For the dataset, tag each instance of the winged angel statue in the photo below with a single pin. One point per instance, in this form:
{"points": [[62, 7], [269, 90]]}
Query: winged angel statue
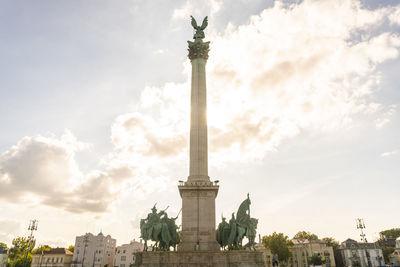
{"points": [[199, 29]]}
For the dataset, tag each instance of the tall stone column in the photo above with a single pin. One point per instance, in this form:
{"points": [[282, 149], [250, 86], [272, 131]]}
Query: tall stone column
{"points": [[198, 192], [198, 165]]}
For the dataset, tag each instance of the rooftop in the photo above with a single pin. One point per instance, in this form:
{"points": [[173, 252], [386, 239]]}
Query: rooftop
{"points": [[63, 251]]}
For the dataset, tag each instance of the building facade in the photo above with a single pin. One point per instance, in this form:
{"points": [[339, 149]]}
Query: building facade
{"points": [[125, 254], [55, 257], [94, 251], [267, 254], [354, 253], [3, 256], [302, 250]]}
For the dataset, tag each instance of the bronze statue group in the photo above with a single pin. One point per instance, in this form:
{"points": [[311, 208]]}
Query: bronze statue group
{"points": [[230, 235], [161, 229], [164, 232]]}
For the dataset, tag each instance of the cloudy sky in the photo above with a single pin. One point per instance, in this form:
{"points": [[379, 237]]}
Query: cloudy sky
{"points": [[303, 110]]}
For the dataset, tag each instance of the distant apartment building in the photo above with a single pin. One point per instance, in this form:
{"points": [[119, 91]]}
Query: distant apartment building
{"points": [[94, 251], [125, 254], [355, 253], [3, 256], [267, 254], [303, 250], [55, 257], [394, 258]]}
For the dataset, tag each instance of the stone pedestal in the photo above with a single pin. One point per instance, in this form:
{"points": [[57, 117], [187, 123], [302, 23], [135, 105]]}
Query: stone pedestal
{"points": [[200, 259], [198, 216]]}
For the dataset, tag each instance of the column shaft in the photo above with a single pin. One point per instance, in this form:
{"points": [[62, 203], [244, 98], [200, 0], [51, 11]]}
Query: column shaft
{"points": [[198, 170]]}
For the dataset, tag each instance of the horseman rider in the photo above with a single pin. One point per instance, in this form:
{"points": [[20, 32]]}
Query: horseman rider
{"points": [[243, 214], [154, 217]]}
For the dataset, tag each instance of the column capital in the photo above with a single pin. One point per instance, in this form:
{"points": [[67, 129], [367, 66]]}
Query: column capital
{"points": [[198, 49]]}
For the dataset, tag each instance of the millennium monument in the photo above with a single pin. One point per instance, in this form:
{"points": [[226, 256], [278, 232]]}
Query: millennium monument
{"points": [[198, 192], [199, 243]]}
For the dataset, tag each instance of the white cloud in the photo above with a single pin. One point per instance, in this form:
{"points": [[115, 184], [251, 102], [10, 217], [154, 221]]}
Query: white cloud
{"points": [[389, 153], [183, 12], [159, 51], [209, 7], [38, 164], [385, 117], [293, 67], [8, 230], [44, 170], [394, 17]]}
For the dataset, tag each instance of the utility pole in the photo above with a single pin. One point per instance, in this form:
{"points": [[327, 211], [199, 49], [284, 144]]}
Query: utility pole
{"points": [[33, 224], [361, 226]]}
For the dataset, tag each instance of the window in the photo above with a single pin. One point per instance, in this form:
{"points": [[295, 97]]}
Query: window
{"points": [[122, 265], [61, 260], [123, 258], [119, 251], [124, 251]]}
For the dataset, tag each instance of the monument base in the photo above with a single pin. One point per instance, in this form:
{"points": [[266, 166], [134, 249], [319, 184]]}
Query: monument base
{"points": [[199, 259]]}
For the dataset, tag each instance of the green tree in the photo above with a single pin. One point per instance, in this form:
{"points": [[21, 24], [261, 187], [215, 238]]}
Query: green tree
{"points": [[315, 260], [305, 236], [71, 248], [279, 244], [390, 233], [40, 249], [4, 245], [21, 251], [384, 235], [386, 251], [330, 241]]}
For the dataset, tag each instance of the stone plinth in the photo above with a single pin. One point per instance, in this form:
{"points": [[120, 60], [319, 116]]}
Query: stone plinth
{"points": [[200, 259], [198, 216]]}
